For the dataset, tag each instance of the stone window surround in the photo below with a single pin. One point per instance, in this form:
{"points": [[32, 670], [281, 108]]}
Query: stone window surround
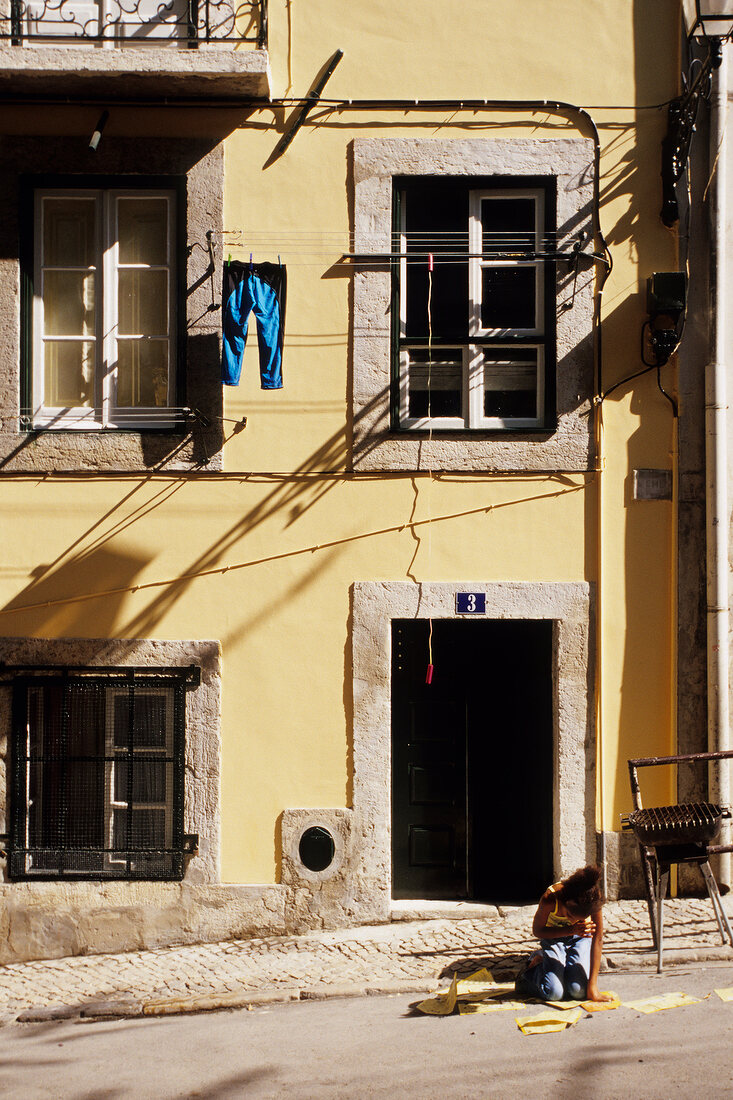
{"points": [[375, 604], [201, 809], [376, 446], [193, 446]]}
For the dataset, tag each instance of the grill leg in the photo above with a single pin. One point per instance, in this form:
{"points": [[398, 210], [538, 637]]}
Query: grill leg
{"points": [[646, 870], [662, 881], [720, 914]]}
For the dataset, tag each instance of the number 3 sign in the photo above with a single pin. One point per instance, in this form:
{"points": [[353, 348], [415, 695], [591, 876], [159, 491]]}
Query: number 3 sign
{"points": [[470, 603]]}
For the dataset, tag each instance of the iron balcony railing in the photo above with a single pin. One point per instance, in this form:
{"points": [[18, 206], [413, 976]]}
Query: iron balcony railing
{"points": [[186, 23]]}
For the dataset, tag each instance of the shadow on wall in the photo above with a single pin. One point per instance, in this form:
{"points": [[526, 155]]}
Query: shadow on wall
{"points": [[645, 715], [88, 564], [291, 498], [100, 569]]}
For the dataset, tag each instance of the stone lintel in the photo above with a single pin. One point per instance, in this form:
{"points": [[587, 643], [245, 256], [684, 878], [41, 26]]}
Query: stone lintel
{"points": [[210, 71]]}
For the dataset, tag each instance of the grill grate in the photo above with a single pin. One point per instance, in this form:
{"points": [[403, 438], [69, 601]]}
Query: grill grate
{"points": [[686, 823]]}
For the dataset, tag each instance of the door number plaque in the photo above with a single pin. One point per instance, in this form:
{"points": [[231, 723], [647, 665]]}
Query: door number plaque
{"points": [[470, 603]]}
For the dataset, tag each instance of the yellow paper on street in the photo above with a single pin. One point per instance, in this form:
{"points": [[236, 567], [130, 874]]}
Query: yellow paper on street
{"points": [[603, 1006], [565, 1006], [481, 985], [725, 994], [664, 1000], [442, 1005], [476, 982], [470, 1008], [547, 1022]]}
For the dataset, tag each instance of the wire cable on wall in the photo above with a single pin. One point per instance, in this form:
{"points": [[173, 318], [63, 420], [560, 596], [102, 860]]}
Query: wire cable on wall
{"points": [[429, 673], [220, 570]]}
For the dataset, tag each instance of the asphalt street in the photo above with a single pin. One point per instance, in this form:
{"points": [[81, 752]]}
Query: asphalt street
{"points": [[375, 1046]]}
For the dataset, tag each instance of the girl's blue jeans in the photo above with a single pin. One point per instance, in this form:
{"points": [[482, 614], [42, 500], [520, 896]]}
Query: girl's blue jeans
{"points": [[562, 972]]}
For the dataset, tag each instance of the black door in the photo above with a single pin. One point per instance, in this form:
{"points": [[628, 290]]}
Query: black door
{"points": [[472, 759]]}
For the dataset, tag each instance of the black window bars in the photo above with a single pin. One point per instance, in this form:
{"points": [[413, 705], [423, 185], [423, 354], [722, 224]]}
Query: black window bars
{"points": [[97, 773]]}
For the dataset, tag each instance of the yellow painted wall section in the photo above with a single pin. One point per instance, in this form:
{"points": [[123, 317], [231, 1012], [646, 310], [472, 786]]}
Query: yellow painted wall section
{"points": [[281, 610]]}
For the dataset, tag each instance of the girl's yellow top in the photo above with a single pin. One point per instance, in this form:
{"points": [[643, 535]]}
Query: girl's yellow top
{"points": [[555, 919]]}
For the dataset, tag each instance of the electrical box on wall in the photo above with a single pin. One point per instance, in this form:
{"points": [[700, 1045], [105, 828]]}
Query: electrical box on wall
{"points": [[666, 293], [652, 485]]}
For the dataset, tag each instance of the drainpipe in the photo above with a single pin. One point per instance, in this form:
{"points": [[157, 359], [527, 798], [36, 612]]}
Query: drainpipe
{"points": [[716, 460]]}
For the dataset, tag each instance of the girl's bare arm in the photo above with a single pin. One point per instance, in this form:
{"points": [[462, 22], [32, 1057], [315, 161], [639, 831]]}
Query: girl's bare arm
{"points": [[596, 952]]}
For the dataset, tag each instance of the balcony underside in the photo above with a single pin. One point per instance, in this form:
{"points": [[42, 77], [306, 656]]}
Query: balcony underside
{"points": [[137, 73]]}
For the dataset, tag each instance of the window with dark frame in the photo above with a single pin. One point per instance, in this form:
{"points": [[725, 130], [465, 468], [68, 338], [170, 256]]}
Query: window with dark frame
{"points": [[98, 777], [473, 340], [105, 304]]}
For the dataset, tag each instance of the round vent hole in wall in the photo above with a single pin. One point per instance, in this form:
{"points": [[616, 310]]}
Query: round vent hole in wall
{"points": [[316, 848]]}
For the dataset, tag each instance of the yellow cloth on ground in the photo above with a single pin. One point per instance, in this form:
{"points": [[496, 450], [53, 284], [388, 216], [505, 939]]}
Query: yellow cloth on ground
{"points": [[547, 1022], [725, 994], [664, 1000], [443, 1004], [565, 1006]]}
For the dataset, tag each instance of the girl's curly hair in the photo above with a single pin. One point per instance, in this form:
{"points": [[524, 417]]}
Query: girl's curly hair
{"points": [[582, 889]]}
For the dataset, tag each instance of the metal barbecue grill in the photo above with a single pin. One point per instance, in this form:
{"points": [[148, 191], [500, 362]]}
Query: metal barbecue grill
{"points": [[695, 823], [683, 833]]}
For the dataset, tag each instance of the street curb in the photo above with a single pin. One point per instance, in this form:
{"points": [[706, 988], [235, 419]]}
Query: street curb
{"points": [[47, 1013], [212, 1002], [107, 1010]]}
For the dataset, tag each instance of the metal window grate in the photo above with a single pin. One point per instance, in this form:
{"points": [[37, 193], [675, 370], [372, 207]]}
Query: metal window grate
{"points": [[137, 23], [97, 776]]}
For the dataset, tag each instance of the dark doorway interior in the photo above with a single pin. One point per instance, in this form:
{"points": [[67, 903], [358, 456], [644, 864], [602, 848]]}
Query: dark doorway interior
{"points": [[472, 759]]}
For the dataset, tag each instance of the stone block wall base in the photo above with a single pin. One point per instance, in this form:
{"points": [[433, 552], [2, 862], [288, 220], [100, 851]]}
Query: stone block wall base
{"points": [[624, 878], [54, 920], [624, 875]]}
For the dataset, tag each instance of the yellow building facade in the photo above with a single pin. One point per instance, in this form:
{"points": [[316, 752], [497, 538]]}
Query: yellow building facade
{"points": [[219, 605]]}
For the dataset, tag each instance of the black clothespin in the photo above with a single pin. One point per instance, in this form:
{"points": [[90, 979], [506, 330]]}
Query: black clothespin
{"points": [[251, 265]]}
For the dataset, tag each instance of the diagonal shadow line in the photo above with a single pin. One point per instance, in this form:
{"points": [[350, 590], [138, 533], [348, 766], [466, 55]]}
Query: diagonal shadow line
{"points": [[332, 453], [78, 541], [160, 498], [296, 495]]}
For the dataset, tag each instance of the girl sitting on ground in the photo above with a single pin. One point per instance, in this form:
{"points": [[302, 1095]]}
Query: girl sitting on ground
{"points": [[569, 925]]}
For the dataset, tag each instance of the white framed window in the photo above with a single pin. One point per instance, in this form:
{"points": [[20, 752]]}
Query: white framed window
{"points": [[104, 311], [551, 431], [475, 333], [139, 783], [98, 776]]}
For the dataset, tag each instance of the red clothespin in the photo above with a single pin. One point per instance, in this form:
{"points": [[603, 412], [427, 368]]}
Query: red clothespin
{"points": [[430, 261], [429, 675]]}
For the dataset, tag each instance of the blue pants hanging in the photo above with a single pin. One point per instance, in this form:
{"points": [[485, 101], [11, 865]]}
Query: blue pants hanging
{"points": [[259, 289]]}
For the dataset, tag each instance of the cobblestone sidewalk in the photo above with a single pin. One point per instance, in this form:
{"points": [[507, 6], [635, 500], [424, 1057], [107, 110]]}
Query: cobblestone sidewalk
{"points": [[412, 955]]}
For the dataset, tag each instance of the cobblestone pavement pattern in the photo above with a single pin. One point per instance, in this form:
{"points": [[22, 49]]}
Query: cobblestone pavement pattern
{"points": [[413, 954]]}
